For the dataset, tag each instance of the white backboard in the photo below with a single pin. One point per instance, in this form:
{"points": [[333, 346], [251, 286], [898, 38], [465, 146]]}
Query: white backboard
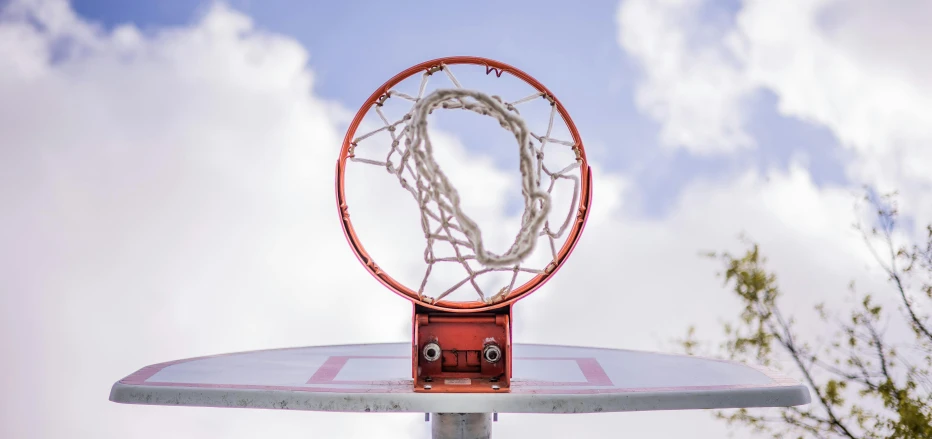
{"points": [[377, 378]]}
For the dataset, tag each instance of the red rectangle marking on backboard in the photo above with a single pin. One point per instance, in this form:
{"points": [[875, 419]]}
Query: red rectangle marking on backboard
{"points": [[328, 371], [591, 369]]}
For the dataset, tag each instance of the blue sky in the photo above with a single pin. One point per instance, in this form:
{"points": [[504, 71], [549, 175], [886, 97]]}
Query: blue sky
{"points": [[570, 47]]}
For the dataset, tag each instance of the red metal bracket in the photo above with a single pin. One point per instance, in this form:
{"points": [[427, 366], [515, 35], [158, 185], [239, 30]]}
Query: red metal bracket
{"points": [[461, 353]]}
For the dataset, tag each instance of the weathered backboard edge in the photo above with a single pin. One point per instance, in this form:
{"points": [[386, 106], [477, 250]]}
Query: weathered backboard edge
{"points": [[461, 403], [786, 392]]}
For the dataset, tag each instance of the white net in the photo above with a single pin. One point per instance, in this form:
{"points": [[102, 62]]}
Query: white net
{"points": [[411, 159]]}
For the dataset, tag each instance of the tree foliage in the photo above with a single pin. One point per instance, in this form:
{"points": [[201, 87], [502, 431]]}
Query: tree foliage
{"points": [[869, 375]]}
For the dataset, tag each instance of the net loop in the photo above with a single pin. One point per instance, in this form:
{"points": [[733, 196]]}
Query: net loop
{"points": [[446, 197]]}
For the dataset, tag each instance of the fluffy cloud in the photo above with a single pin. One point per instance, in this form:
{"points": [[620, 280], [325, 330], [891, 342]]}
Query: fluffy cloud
{"points": [[166, 196], [873, 96], [852, 67], [692, 83]]}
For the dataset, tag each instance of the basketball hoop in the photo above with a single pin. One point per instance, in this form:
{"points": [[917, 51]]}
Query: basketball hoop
{"points": [[463, 346], [453, 351], [409, 157]]}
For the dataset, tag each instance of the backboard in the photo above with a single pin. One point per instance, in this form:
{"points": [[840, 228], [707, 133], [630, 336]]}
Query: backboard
{"points": [[377, 378]]}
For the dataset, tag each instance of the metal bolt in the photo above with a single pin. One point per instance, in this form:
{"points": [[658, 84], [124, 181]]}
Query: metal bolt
{"points": [[431, 352], [492, 353]]}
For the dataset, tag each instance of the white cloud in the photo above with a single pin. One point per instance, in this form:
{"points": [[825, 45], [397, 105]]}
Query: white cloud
{"points": [[854, 67], [167, 196], [874, 97], [692, 84]]}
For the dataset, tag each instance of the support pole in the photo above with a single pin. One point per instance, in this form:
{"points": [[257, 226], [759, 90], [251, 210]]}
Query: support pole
{"points": [[461, 425]]}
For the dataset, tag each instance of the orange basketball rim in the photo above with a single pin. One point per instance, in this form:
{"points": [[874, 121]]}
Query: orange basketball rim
{"points": [[492, 67]]}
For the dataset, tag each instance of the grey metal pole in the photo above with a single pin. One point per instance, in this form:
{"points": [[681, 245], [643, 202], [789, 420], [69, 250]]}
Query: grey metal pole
{"points": [[461, 425]]}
